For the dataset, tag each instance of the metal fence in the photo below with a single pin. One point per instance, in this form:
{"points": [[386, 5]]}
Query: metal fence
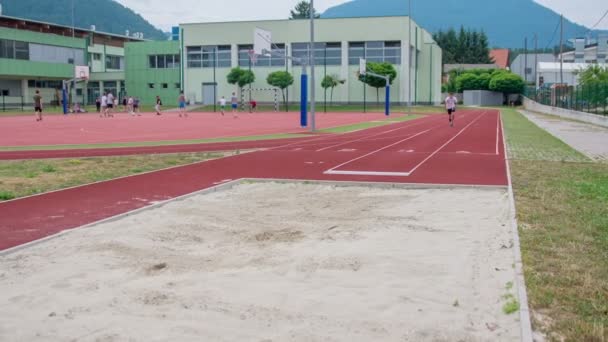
{"points": [[590, 98]]}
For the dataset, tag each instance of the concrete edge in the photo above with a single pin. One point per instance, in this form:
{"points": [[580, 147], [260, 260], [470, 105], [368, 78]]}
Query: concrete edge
{"points": [[384, 185], [233, 183], [216, 188], [522, 294], [583, 117]]}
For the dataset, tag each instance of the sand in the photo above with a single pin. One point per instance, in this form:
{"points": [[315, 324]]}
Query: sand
{"points": [[274, 262]]}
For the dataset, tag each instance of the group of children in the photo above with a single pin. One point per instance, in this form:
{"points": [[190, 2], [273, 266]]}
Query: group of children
{"points": [[234, 104]]}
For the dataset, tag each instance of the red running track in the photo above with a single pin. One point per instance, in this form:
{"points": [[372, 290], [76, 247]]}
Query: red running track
{"points": [[89, 128], [420, 151]]}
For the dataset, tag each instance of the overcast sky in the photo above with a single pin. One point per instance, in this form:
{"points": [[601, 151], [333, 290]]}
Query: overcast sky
{"points": [[164, 14]]}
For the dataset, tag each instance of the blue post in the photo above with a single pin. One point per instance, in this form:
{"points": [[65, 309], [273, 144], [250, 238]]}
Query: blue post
{"points": [[64, 97], [303, 100], [387, 103]]}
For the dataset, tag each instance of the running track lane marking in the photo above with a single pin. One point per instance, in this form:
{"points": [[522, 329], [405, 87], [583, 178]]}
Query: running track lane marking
{"points": [[446, 144], [373, 173], [373, 135], [497, 131]]}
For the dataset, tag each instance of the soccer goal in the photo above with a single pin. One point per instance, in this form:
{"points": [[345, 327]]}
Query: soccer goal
{"points": [[272, 90]]}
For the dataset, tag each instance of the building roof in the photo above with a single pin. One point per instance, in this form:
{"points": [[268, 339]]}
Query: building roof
{"points": [[45, 27], [500, 57], [555, 67]]}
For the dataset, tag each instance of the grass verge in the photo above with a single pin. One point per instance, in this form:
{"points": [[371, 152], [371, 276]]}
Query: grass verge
{"points": [[370, 124], [30, 177], [562, 208], [151, 143]]}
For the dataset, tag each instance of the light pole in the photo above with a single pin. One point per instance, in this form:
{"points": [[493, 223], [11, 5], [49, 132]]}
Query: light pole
{"points": [[312, 65], [409, 59]]}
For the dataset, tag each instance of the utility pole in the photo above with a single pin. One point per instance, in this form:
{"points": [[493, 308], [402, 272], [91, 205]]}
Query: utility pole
{"points": [[409, 53], [526, 58], [561, 50], [535, 58], [312, 65]]}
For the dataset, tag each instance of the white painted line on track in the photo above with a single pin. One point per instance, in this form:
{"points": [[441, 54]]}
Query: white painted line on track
{"points": [[447, 143], [378, 150]]}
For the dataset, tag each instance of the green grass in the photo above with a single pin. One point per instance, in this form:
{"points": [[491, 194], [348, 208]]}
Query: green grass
{"points": [[562, 210], [29, 177], [510, 307], [152, 143], [370, 124]]}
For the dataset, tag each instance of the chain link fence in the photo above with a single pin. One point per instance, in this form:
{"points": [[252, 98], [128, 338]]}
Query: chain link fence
{"points": [[589, 98]]}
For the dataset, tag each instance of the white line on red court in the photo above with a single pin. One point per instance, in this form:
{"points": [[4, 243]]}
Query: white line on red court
{"points": [[332, 170], [498, 126], [447, 143]]}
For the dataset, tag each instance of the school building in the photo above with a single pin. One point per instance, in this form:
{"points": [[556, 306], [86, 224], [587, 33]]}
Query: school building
{"points": [[39, 55], [200, 60]]}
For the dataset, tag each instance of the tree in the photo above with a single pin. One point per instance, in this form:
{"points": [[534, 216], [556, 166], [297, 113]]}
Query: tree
{"points": [[507, 83], [331, 81], [302, 11], [246, 78], [281, 80], [235, 75], [465, 47], [594, 84], [467, 81], [385, 69]]}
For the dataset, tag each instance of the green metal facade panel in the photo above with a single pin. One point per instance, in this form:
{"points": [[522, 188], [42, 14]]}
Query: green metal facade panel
{"points": [[20, 69], [139, 75], [42, 38]]}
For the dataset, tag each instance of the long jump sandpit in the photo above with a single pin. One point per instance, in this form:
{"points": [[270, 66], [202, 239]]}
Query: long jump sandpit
{"points": [[265, 261]]}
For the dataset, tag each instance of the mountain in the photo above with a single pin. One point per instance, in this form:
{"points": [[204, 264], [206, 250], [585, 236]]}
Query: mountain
{"points": [[107, 15], [506, 23]]}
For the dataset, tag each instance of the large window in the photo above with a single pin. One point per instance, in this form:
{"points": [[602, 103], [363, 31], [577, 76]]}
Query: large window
{"points": [[376, 51], [277, 60], [44, 84], [207, 56], [56, 54], [164, 61], [12, 49], [325, 53], [115, 62]]}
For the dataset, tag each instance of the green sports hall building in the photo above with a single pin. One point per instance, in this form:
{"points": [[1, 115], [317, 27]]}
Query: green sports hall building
{"points": [[37, 55]]}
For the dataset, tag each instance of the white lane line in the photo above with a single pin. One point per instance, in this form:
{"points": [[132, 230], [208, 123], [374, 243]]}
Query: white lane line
{"points": [[376, 151], [447, 143], [497, 131], [368, 173], [371, 136]]}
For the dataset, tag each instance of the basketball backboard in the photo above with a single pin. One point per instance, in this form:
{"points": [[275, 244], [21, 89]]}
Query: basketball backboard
{"points": [[81, 72], [262, 40]]}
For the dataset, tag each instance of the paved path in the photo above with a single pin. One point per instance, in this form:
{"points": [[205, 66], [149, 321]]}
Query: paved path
{"points": [[589, 139]]}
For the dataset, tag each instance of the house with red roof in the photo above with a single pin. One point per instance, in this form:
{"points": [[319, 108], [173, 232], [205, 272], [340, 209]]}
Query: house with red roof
{"points": [[500, 57]]}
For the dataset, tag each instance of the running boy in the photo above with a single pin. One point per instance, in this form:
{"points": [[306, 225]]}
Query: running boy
{"points": [[235, 105], [38, 105], [222, 105], [158, 104], [450, 106], [104, 106], [182, 104], [110, 104]]}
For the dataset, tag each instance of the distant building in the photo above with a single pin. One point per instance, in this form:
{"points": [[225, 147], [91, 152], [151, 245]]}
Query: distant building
{"points": [[524, 65], [500, 57], [549, 73], [39, 55]]}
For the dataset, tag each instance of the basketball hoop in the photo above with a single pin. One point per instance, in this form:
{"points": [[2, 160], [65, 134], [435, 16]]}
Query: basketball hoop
{"points": [[253, 57]]}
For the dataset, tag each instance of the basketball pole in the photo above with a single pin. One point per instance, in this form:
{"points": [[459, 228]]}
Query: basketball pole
{"points": [[312, 66]]}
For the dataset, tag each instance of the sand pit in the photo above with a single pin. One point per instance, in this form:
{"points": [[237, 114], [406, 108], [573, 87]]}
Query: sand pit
{"points": [[274, 262]]}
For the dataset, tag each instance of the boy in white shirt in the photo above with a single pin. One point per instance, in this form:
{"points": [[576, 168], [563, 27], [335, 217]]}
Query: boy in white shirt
{"points": [[450, 106], [222, 105]]}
